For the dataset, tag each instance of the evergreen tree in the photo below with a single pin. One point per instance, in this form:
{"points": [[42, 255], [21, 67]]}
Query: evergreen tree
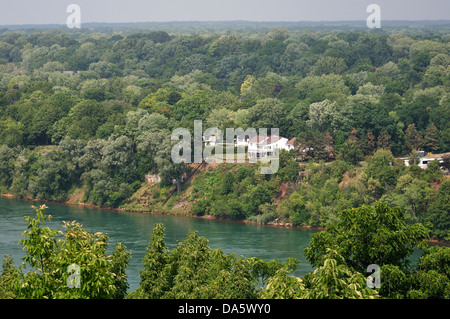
{"points": [[384, 140], [430, 139], [413, 138]]}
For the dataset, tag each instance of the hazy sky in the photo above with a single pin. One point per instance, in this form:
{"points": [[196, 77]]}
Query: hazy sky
{"points": [[54, 11]]}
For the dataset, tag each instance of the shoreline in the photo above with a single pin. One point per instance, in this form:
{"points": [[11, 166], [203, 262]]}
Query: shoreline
{"points": [[118, 209], [210, 217]]}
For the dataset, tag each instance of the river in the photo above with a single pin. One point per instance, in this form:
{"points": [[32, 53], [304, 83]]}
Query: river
{"points": [[133, 229]]}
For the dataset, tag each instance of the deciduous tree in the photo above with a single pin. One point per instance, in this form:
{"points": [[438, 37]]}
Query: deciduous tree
{"points": [[48, 257], [368, 235]]}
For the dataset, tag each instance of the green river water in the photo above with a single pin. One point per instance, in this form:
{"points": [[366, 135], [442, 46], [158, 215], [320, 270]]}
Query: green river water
{"points": [[133, 229]]}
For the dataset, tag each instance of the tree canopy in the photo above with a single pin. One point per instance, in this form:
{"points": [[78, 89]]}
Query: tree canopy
{"points": [[87, 116]]}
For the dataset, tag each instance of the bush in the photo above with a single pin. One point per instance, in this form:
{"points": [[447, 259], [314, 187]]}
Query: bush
{"points": [[200, 207], [48, 256]]}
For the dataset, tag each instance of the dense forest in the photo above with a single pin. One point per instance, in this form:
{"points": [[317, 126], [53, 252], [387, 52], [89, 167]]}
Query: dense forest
{"points": [[87, 114]]}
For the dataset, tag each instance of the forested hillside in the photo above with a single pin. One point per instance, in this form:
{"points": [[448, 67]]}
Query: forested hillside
{"points": [[90, 114]]}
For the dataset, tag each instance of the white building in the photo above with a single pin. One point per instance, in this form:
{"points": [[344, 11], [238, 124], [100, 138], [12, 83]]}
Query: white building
{"points": [[266, 146], [258, 145], [290, 144], [210, 140], [243, 139], [423, 161]]}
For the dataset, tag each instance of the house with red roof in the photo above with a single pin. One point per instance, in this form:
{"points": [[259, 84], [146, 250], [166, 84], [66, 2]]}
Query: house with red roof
{"points": [[267, 146]]}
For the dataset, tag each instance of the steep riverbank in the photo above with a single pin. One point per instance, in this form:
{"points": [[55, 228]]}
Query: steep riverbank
{"points": [[71, 202], [276, 223]]}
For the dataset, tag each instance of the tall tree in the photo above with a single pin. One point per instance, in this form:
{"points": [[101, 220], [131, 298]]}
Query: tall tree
{"points": [[384, 139], [350, 152], [194, 270], [439, 212], [413, 138], [430, 139], [379, 171], [77, 260], [329, 146], [368, 235]]}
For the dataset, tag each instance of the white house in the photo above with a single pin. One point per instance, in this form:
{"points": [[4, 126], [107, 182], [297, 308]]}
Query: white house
{"points": [[210, 140], [242, 139], [290, 144], [423, 161], [266, 146], [258, 145]]}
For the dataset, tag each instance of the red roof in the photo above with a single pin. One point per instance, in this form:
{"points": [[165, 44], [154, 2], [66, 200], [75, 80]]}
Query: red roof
{"points": [[258, 139], [273, 139], [291, 141]]}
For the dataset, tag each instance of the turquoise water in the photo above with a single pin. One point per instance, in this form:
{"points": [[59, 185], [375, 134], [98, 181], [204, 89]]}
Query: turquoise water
{"points": [[133, 230]]}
